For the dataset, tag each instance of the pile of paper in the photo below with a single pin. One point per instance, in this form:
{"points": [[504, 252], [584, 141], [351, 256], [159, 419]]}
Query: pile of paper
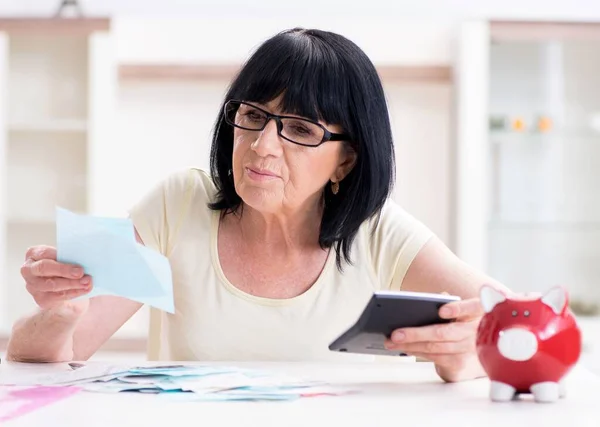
{"points": [[193, 382]]}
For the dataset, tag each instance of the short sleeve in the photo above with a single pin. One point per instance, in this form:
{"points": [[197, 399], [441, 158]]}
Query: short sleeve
{"points": [[158, 214], [394, 242]]}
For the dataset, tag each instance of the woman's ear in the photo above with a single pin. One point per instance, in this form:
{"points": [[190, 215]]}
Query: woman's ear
{"points": [[347, 161]]}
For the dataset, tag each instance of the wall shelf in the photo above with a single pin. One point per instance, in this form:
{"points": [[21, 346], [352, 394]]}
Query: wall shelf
{"points": [[51, 125], [567, 137], [53, 26], [576, 226], [528, 31], [19, 221], [182, 72]]}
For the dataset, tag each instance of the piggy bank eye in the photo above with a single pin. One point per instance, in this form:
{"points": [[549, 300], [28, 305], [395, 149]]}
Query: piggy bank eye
{"points": [[514, 313], [526, 313]]}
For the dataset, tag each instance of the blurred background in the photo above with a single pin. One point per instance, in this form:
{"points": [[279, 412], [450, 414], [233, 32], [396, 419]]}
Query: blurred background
{"points": [[495, 108]]}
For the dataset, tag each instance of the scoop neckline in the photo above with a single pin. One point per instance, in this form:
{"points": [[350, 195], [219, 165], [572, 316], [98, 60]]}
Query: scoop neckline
{"points": [[216, 262]]}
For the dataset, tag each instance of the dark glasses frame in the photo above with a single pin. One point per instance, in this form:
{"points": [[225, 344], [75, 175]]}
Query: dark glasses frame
{"points": [[327, 135]]}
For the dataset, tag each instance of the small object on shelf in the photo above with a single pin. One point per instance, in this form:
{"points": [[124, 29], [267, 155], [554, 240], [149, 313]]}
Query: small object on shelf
{"points": [[497, 123], [70, 6], [527, 344], [584, 308], [544, 124], [518, 124]]}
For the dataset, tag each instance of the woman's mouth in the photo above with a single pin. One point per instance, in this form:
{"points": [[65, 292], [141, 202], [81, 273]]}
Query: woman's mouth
{"points": [[257, 174]]}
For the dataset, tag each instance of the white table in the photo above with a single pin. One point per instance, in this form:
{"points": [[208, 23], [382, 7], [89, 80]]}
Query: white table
{"points": [[391, 394]]}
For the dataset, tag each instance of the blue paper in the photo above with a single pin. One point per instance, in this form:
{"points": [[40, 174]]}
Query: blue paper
{"points": [[107, 250]]}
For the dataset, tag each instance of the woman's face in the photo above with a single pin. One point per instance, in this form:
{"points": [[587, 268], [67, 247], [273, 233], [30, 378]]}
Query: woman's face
{"points": [[276, 176]]}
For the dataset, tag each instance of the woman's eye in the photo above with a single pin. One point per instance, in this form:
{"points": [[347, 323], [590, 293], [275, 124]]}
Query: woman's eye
{"points": [[251, 115], [254, 116], [300, 130]]}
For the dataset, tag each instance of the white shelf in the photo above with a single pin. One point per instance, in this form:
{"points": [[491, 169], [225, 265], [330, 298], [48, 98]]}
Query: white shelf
{"points": [[50, 125], [569, 225], [31, 220]]}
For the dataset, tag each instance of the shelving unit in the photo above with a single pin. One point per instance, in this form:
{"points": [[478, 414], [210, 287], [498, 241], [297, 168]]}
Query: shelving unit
{"points": [[56, 76], [529, 196], [46, 143]]}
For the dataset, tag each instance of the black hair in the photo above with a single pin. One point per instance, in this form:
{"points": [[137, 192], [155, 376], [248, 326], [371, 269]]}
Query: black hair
{"points": [[322, 76]]}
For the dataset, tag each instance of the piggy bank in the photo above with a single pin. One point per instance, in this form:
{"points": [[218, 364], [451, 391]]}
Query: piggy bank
{"points": [[527, 344]]}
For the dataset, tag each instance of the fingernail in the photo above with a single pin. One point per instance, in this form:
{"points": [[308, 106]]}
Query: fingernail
{"points": [[398, 336], [76, 271], [446, 312], [85, 280]]}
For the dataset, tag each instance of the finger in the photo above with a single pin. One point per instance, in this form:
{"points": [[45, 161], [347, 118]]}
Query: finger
{"points": [[465, 309], [454, 331], [57, 284], [50, 299], [51, 268], [434, 347], [452, 361], [37, 253]]}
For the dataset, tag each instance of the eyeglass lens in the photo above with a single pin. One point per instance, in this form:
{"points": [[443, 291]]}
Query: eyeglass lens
{"points": [[298, 130]]}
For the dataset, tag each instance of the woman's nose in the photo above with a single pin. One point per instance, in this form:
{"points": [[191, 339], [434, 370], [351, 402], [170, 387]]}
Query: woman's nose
{"points": [[268, 141]]}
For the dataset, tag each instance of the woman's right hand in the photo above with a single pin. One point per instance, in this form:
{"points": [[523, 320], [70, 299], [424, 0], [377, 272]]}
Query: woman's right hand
{"points": [[52, 284]]}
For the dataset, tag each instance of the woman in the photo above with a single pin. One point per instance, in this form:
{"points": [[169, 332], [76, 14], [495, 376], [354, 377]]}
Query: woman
{"points": [[276, 251]]}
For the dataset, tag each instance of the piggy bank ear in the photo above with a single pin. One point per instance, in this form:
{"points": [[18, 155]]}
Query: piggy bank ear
{"points": [[490, 297], [556, 299]]}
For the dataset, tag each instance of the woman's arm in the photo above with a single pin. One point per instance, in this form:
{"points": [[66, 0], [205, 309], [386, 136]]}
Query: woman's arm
{"points": [[61, 334], [57, 335], [436, 269], [450, 346]]}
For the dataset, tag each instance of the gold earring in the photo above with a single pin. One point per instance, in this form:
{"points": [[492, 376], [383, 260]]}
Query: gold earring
{"points": [[335, 187]]}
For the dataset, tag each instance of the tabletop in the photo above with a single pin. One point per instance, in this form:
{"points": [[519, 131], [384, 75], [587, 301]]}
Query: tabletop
{"points": [[389, 394]]}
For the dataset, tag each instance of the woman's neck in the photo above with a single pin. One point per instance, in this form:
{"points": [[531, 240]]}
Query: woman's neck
{"points": [[280, 234]]}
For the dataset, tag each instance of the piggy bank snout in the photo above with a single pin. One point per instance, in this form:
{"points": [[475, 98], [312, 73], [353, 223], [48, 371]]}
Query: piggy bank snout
{"points": [[517, 344]]}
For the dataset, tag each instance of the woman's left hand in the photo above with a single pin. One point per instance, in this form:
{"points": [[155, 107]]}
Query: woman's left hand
{"points": [[450, 346]]}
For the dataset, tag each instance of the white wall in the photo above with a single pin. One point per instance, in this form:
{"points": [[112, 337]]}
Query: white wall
{"points": [[160, 128], [226, 30], [199, 39], [421, 117], [331, 9]]}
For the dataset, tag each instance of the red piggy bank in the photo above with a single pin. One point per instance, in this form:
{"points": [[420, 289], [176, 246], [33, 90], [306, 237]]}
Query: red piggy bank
{"points": [[527, 344]]}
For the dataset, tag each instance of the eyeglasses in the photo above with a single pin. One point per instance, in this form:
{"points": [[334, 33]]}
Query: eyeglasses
{"points": [[294, 129]]}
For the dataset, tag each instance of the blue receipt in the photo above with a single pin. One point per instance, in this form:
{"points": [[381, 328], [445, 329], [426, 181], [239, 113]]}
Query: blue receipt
{"points": [[107, 250]]}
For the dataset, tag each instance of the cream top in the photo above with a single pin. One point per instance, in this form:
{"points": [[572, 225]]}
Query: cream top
{"points": [[214, 320]]}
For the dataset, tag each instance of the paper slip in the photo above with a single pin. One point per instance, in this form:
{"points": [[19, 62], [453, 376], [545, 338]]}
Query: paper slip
{"points": [[88, 373], [107, 250], [16, 401]]}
